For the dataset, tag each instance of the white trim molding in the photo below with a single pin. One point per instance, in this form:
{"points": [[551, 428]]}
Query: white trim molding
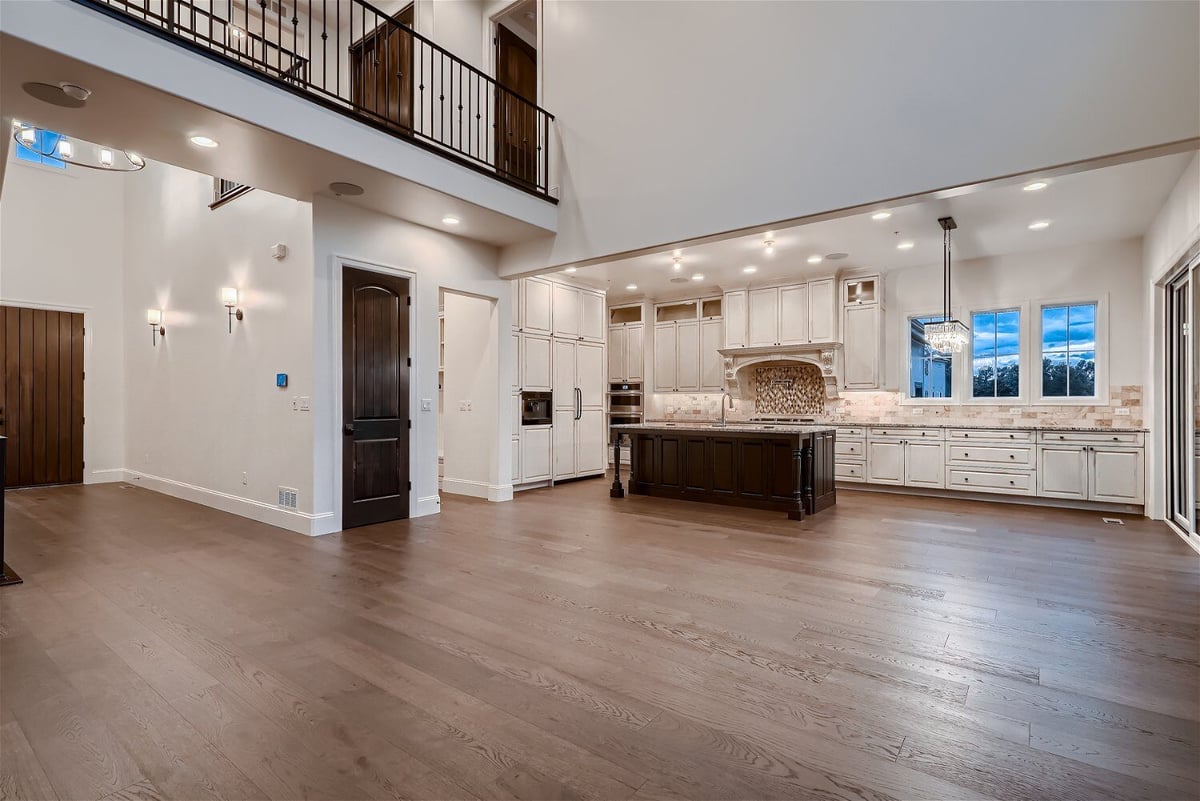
{"points": [[497, 493]]}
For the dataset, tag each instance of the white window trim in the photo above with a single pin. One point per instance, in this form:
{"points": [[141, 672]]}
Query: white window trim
{"points": [[1024, 354], [1101, 398], [906, 365]]}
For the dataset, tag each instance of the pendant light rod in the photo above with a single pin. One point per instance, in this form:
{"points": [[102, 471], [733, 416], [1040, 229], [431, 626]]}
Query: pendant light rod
{"points": [[948, 225]]}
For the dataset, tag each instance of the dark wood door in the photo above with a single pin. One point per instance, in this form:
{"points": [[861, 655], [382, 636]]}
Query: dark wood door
{"points": [[41, 395], [375, 419], [516, 110], [381, 70]]}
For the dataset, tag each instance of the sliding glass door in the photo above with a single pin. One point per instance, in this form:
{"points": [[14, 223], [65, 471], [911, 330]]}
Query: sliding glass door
{"points": [[1182, 400]]}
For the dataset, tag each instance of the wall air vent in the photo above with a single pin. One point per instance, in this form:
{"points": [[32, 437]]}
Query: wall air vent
{"points": [[287, 497]]}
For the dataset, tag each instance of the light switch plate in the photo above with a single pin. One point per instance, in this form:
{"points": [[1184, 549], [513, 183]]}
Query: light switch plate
{"points": [[305, 403], [427, 404], [1121, 411], [918, 411]]}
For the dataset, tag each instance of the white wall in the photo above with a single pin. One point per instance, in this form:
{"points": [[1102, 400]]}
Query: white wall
{"points": [[1172, 234], [760, 112], [62, 246], [202, 406], [471, 376], [435, 260]]}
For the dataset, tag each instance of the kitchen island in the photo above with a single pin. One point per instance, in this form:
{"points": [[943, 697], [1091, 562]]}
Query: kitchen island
{"points": [[788, 468]]}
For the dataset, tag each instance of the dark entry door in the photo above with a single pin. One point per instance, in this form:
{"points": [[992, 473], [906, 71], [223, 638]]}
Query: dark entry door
{"points": [[41, 395], [375, 419], [381, 71], [516, 114]]}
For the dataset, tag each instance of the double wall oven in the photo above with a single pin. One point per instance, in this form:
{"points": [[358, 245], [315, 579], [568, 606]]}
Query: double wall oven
{"points": [[624, 408]]}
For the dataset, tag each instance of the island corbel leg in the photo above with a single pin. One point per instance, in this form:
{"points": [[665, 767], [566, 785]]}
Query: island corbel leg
{"points": [[617, 490], [798, 494], [807, 467]]}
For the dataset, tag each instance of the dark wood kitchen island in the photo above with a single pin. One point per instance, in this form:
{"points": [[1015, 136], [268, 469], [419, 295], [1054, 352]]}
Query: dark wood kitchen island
{"points": [[788, 468]]}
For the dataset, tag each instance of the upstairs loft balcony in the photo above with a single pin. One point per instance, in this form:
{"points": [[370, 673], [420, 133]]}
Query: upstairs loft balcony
{"points": [[351, 57]]}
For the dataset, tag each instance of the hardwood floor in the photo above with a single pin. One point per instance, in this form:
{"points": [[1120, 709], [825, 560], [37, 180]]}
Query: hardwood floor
{"points": [[571, 646]]}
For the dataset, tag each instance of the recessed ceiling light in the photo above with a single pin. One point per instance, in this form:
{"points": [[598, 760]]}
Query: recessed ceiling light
{"points": [[814, 259], [881, 215], [199, 140], [770, 246], [905, 245], [677, 253], [450, 219], [678, 262], [1035, 186], [1039, 225], [750, 269], [570, 269], [698, 277], [631, 287]]}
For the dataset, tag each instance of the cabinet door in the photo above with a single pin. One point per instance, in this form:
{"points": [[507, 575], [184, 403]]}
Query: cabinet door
{"points": [[687, 356], [566, 314], [535, 294], [734, 310], [592, 322], [635, 358], [589, 374], [664, 357], [924, 464], [535, 453], [564, 443], [1116, 475], [517, 358], [564, 374], [535, 362], [762, 319], [860, 369], [712, 371], [618, 353], [514, 292], [1062, 471], [793, 314], [515, 469], [885, 462], [822, 303], [590, 456]]}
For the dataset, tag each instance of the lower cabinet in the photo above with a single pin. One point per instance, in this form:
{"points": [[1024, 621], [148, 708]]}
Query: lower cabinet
{"points": [[906, 463], [1112, 474], [535, 454], [579, 444]]}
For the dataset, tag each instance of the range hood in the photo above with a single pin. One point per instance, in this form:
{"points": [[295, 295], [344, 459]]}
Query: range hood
{"points": [[738, 364]]}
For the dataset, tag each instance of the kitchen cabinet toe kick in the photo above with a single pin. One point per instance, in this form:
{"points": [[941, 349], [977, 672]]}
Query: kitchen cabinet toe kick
{"points": [[780, 470]]}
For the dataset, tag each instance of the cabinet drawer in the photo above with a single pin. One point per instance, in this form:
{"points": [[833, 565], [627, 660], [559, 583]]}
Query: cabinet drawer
{"points": [[849, 471], [983, 481], [850, 432], [907, 433], [995, 455], [990, 435], [1131, 438], [849, 448]]}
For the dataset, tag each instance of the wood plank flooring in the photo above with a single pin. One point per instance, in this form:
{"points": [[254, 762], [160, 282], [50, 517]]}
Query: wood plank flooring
{"points": [[568, 646]]}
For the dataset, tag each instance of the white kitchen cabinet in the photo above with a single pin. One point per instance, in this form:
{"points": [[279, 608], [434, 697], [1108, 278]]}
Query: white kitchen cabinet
{"points": [[514, 295], [567, 312], [536, 445], [664, 357], [515, 467], [924, 464], [822, 310], [885, 462], [564, 373], [861, 346], [712, 370], [564, 444], [1062, 471], [793, 315], [517, 359], [635, 359], [733, 308], [535, 363], [909, 460], [625, 353], [1116, 475], [589, 374], [578, 434], [536, 306], [590, 442], [687, 356], [591, 316], [762, 325]]}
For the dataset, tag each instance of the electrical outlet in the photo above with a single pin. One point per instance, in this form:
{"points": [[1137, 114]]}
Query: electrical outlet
{"points": [[305, 403], [244, 481], [1121, 411], [918, 411]]}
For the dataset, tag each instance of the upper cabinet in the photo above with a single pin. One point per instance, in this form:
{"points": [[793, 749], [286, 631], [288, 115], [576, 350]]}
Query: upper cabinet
{"points": [[862, 332], [795, 314], [550, 308], [687, 338], [626, 356], [568, 312], [536, 305]]}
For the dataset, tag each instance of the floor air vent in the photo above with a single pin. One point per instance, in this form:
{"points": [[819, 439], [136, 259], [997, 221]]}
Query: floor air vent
{"points": [[287, 497], [1116, 521]]}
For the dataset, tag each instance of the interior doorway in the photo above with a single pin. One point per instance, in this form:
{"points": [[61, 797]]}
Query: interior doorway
{"points": [[41, 395], [1182, 401], [381, 69], [375, 413], [469, 419], [517, 155]]}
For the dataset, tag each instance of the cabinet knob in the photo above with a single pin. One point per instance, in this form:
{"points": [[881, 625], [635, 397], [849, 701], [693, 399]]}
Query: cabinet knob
{"points": [[1011, 481], [1012, 436], [966, 478], [1012, 456], [1116, 439], [965, 455]]}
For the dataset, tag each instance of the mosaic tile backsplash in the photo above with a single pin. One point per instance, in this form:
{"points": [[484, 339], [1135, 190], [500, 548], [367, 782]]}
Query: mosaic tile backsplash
{"points": [[788, 390], [884, 407]]}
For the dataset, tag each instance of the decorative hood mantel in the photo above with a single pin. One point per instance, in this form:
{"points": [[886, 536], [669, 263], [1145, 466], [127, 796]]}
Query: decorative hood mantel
{"points": [[738, 364]]}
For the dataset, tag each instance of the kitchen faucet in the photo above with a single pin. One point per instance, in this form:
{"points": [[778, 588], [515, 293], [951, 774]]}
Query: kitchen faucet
{"points": [[725, 395]]}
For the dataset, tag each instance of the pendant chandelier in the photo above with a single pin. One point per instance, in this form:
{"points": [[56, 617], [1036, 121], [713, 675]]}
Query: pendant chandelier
{"points": [[950, 335], [60, 149]]}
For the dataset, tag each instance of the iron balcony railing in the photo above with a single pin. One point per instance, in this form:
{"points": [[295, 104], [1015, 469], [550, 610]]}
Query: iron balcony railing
{"points": [[352, 57]]}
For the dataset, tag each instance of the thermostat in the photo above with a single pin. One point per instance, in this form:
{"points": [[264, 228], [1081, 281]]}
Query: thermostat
{"points": [[281, 380]]}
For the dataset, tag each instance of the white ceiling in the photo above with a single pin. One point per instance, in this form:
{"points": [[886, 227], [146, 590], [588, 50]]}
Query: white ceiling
{"points": [[1107, 203]]}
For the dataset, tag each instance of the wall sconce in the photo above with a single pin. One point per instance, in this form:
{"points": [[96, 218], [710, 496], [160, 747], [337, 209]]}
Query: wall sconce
{"points": [[229, 297], [154, 317]]}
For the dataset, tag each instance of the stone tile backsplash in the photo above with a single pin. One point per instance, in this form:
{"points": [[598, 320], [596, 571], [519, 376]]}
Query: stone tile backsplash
{"points": [[885, 407]]}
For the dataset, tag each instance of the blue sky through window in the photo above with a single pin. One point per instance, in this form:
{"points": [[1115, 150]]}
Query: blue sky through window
{"points": [[1069, 351], [996, 354], [930, 372]]}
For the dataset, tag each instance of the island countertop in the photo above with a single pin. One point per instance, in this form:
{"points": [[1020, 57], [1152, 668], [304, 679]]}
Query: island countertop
{"points": [[736, 428]]}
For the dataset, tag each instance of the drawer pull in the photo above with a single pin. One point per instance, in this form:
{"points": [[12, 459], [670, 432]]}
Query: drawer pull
{"points": [[966, 455], [1012, 482], [966, 478], [1012, 436], [1116, 439], [1012, 456]]}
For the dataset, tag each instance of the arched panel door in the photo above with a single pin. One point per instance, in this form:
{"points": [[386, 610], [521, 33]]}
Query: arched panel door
{"points": [[375, 415]]}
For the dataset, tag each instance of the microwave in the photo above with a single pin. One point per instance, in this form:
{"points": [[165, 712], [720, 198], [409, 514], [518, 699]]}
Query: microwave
{"points": [[537, 408]]}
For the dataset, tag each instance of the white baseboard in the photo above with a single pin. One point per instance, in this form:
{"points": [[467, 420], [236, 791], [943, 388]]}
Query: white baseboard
{"points": [[300, 522], [428, 505], [478, 489], [109, 476]]}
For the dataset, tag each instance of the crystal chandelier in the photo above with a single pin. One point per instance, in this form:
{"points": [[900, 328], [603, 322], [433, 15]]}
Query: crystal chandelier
{"points": [[950, 335], [59, 149]]}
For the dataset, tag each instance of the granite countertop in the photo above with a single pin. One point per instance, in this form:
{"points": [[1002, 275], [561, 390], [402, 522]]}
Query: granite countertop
{"points": [[736, 427], [822, 426]]}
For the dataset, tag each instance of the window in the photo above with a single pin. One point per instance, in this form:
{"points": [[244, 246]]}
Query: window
{"points": [[44, 142], [996, 354], [225, 190], [930, 372], [1069, 351]]}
